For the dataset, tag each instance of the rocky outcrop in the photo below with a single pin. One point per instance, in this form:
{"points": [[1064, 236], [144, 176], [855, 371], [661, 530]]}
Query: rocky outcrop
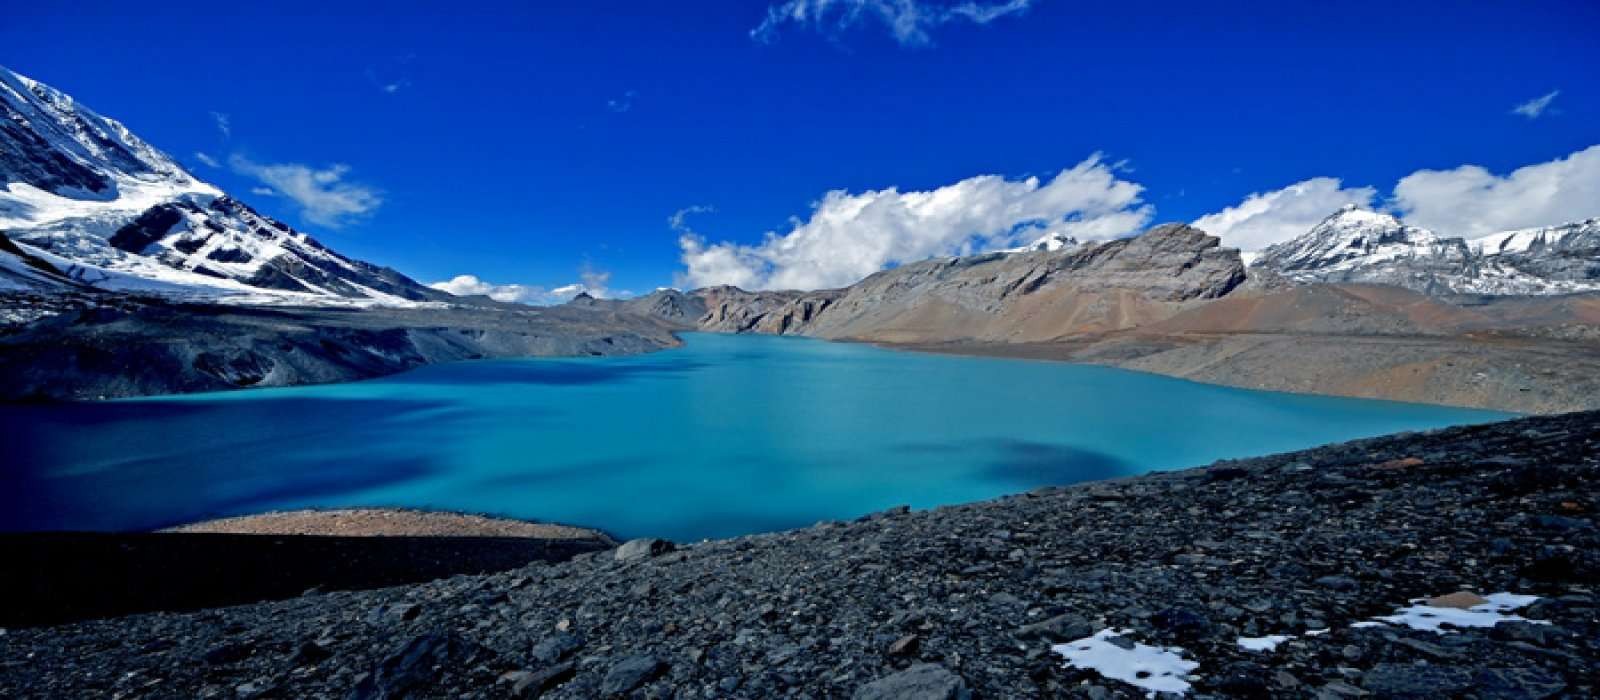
{"points": [[734, 310], [971, 599], [1032, 295]]}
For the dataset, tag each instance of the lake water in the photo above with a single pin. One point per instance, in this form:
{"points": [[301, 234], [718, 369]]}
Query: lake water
{"points": [[727, 435]]}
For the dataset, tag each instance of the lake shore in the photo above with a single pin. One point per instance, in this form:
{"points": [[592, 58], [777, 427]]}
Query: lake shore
{"points": [[1313, 546], [1518, 375], [387, 522]]}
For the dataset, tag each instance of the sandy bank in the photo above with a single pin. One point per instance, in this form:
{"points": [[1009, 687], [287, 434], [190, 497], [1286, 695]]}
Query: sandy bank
{"points": [[387, 522]]}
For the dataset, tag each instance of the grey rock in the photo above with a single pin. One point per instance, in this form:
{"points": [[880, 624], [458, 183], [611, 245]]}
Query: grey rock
{"points": [[1061, 628], [1509, 683], [920, 682], [415, 666], [556, 647], [634, 550], [630, 673], [1339, 583], [1415, 681], [535, 683]]}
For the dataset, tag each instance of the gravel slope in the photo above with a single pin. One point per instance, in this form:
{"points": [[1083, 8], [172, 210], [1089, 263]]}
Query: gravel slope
{"points": [[965, 600]]}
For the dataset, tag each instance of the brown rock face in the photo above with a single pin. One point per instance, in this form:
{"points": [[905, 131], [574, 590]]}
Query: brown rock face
{"points": [[996, 296]]}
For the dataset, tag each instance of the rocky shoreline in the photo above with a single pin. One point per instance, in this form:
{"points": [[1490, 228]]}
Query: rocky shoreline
{"points": [[1517, 375], [100, 345], [1194, 565]]}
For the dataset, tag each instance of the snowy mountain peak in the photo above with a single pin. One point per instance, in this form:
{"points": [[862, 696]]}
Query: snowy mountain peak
{"points": [[1351, 235], [1050, 242], [1359, 245], [58, 145], [87, 196]]}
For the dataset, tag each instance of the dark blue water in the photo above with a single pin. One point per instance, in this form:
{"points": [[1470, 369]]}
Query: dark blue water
{"points": [[727, 435]]}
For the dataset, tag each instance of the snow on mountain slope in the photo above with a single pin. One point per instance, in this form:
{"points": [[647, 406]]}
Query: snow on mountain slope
{"points": [[1578, 236], [1358, 245], [110, 211], [22, 270], [1050, 242]]}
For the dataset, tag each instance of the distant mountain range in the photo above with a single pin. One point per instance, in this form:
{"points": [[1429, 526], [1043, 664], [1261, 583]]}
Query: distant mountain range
{"points": [[113, 258], [1358, 245], [88, 204], [104, 209]]}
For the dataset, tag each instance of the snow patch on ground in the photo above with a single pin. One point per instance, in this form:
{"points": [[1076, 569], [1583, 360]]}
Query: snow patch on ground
{"points": [[1420, 616], [1267, 643], [1156, 669]]}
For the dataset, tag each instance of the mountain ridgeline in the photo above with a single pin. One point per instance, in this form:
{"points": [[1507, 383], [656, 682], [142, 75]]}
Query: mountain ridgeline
{"points": [[1357, 245], [1008, 297], [122, 273], [109, 211], [1360, 306]]}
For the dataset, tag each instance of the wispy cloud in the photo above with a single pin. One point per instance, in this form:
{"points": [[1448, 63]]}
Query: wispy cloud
{"points": [[206, 158], [679, 221], [323, 195], [623, 103], [393, 75], [1536, 107], [224, 124], [851, 235], [263, 191], [911, 22]]}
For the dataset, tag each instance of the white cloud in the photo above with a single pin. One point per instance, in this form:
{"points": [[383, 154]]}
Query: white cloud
{"points": [[322, 194], [470, 285], [622, 104], [264, 191], [1535, 107], [910, 21], [850, 236], [395, 87], [594, 283], [1467, 201], [1471, 201], [206, 158], [224, 125], [1264, 218]]}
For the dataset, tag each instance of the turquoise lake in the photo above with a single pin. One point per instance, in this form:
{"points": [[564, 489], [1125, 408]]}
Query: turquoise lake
{"points": [[727, 435]]}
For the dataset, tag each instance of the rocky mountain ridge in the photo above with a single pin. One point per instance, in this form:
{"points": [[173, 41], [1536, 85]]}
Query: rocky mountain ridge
{"points": [[1363, 246], [112, 212], [995, 296]]}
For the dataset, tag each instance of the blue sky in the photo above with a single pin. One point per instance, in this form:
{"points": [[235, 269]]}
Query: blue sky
{"points": [[523, 142]]}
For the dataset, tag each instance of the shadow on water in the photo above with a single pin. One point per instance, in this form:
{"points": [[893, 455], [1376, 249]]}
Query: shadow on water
{"points": [[545, 372], [1027, 463], [1043, 464], [143, 464]]}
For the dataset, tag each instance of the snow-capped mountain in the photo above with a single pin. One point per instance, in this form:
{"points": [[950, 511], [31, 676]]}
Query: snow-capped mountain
{"points": [[1049, 242], [86, 196], [1359, 245]]}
